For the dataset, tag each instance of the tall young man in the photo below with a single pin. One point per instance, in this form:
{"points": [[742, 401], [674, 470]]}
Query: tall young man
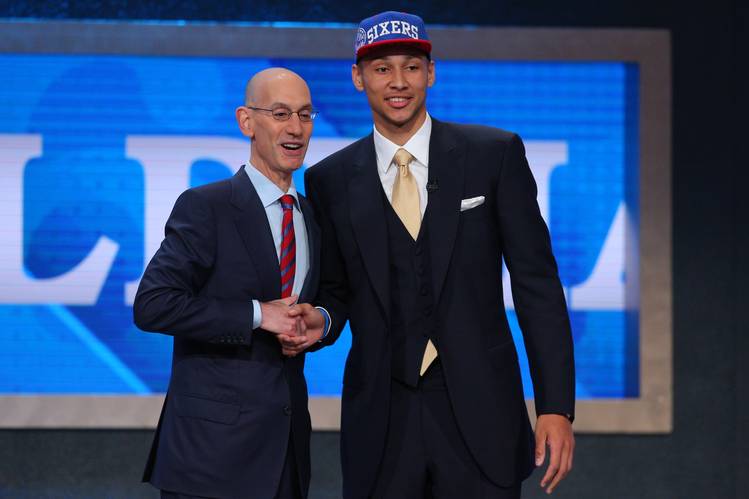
{"points": [[415, 220]]}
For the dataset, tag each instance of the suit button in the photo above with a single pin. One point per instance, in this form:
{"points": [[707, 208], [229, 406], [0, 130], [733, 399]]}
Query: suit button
{"points": [[427, 311], [287, 410], [420, 270], [424, 290]]}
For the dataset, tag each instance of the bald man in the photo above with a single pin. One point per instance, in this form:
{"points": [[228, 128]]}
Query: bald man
{"points": [[236, 254]]}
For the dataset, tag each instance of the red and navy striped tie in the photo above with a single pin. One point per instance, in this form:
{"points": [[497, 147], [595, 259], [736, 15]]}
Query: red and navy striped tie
{"points": [[288, 246]]}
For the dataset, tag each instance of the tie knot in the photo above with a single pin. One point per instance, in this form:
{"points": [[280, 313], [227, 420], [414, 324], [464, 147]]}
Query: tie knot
{"points": [[402, 157], [287, 201]]}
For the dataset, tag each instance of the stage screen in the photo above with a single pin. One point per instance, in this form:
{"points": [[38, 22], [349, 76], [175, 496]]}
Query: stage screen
{"points": [[94, 150]]}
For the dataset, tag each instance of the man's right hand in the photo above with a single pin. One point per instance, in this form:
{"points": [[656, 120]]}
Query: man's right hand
{"points": [[276, 318], [311, 326]]}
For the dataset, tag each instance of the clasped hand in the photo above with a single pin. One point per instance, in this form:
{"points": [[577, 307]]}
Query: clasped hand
{"points": [[296, 325]]}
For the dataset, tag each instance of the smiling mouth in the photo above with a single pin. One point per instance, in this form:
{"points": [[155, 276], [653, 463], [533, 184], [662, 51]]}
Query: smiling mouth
{"points": [[291, 146], [398, 102]]}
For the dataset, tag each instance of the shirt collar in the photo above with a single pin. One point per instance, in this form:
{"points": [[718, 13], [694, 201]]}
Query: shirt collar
{"points": [[417, 145], [267, 191]]}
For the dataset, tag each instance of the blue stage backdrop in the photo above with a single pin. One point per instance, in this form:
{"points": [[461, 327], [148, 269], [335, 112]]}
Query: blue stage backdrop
{"points": [[94, 150]]}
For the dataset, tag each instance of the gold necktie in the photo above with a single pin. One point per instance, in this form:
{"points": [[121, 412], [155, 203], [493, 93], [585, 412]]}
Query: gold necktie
{"points": [[406, 205], [406, 194]]}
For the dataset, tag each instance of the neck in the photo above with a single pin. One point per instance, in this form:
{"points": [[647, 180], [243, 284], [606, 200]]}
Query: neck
{"points": [[281, 179], [400, 134]]}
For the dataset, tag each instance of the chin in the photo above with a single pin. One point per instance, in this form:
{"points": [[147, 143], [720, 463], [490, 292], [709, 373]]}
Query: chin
{"points": [[401, 121], [401, 116], [290, 163]]}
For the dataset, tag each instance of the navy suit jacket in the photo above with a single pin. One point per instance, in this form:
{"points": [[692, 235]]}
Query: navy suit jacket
{"points": [[233, 398], [478, 356]]}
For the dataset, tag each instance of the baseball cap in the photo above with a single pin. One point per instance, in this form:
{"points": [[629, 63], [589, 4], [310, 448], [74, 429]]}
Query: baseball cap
{"points": [[391, 28]]}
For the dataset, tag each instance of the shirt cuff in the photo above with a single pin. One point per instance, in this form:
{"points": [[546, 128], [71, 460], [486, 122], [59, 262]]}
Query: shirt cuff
{"points": [[257, 314], [328, 322], [570, 417]]}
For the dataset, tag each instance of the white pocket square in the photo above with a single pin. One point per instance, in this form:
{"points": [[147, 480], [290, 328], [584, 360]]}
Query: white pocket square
{"points": [[467, 204]]}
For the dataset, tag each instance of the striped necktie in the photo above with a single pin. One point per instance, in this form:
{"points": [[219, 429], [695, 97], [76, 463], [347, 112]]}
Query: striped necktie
{"points": [[288, 246]]}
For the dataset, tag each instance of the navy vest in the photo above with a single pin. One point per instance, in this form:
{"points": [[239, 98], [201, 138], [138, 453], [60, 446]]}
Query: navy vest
{"points": [[412, 298]]}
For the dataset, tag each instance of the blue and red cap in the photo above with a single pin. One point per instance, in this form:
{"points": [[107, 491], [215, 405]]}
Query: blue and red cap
{"points": [[391, 28]]}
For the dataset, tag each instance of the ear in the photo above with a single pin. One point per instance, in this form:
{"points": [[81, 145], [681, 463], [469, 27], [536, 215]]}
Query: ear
{"points": [[356, 77], [430, 74], [244, 120]]}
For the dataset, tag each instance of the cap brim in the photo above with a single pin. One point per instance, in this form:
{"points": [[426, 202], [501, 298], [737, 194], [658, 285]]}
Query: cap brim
{"points": [[421, 45]]}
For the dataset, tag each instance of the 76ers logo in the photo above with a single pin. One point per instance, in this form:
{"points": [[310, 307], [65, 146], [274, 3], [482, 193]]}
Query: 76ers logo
{"points": [[361, 39]]}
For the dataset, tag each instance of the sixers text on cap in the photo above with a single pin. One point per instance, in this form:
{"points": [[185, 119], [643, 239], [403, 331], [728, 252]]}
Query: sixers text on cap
{"points": [[391, 28]]}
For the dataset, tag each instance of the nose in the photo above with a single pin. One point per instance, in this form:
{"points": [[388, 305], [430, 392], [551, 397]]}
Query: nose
{"points": [[294, 125], [398, 80]]}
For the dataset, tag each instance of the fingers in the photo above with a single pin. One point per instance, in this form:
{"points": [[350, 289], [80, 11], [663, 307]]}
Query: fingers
{"points": [[554, 431], [290, 350], [301, 341], [300, 309], [275, 316], [540, 447], [555, 457], [301, 327], [289, 300], [563, 468], [561, 443], [292, 345], [280, 324], [312, 316], [289, 320], [292, 342]]}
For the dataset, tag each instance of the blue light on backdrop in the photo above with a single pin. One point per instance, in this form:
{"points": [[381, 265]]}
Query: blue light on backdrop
{"points": [[95, 149]]}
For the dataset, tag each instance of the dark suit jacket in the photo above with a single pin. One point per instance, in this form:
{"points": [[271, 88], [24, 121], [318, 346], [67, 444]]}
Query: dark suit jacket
{"points": [[233, 398], [478, 356]]}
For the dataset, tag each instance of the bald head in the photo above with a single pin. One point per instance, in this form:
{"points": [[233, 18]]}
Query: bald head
{"points": [[260, 85]]}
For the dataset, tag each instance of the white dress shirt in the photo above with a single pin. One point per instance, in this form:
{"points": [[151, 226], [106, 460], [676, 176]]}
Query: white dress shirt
{"points": [[269, 194], [418, 146]]}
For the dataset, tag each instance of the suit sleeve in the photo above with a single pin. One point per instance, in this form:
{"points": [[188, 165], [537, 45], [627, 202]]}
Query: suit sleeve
{"points": [[536, 289], [169, 298], [333, 291]]}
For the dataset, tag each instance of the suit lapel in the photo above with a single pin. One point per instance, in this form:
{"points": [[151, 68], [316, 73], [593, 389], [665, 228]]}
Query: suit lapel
{"points": [[446, 156], [252, 223], [367, 212], [313, 250]]}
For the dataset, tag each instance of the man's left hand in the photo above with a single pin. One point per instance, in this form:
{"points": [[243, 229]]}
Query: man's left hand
{"points": [[554, 431]]}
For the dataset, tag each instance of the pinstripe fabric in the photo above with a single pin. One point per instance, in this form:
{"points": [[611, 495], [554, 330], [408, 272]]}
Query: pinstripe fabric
{"points": [[287, 259]]}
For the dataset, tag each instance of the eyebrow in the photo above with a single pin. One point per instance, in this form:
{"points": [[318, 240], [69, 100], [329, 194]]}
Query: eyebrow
{"points": [[283, 104], [388, 58]]}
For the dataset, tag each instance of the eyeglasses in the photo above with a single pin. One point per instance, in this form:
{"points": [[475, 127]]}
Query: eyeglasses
{"points": [[283, 114]]}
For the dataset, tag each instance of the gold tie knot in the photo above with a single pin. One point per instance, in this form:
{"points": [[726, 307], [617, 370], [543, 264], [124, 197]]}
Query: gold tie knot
{"points": [[402, 158]]}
